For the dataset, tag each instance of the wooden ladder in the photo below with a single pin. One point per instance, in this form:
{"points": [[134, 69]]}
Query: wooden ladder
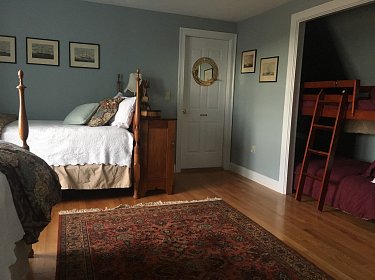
{"points": [[323, 99]]}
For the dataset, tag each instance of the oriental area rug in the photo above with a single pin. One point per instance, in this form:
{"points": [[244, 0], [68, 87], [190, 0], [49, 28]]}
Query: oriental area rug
{"points": [[175, 240]]}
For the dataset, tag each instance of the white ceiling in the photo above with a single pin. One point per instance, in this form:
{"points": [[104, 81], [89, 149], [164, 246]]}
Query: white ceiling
{"points": [[227, 10]]}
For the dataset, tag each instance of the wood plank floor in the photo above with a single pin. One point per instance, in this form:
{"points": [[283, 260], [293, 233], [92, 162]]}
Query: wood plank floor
{"points": [[341, 245]]}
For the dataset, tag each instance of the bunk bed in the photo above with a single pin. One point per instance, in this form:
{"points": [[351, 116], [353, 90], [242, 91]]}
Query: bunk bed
{"points": [[108, 154], [350, 183]]}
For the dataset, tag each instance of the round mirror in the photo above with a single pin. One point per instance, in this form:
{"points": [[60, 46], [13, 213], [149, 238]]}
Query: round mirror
{"points": [[205, 71]]}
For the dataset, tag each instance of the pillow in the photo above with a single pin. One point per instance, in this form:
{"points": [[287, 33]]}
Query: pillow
{"points": [[124, 115], [81, 114], [107, 109]]}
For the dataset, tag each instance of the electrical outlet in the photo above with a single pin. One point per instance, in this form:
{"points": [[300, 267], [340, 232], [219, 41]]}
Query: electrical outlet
{"points": [[252, 150]]}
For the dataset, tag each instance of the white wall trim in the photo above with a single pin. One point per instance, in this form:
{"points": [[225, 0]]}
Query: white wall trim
{"points": [[256, 177], [232, 42], [290, 90]]}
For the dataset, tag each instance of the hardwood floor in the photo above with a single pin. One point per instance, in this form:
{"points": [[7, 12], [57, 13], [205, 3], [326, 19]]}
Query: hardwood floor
{"points": [[341, 245]]}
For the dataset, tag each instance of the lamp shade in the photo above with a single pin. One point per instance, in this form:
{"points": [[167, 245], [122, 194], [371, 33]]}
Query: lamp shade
{"points": [[132, 84]]}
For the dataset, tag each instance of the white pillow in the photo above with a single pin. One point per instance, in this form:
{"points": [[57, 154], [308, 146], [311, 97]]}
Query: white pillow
{"points": [[124, 115], [81, 114]]}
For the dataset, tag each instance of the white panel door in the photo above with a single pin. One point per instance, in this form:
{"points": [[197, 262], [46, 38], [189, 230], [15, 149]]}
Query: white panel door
{"points": [[203, 106]]}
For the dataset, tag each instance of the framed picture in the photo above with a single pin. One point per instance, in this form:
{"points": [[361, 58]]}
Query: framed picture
{"points": [[84, 55], [7, 49], [268, 69], [42, 51], [208, 74], [248, 61]]}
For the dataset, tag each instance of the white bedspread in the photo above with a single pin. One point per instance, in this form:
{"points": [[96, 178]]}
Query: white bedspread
{"points": [[61, 144]]}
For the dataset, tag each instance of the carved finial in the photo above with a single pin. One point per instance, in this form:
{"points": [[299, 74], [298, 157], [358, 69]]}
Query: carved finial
{"points": [[20, 78]]}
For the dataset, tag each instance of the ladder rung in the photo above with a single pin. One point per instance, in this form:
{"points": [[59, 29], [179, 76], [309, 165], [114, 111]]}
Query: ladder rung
{"points": [[320, 153], [323, 127], [313, 176]]}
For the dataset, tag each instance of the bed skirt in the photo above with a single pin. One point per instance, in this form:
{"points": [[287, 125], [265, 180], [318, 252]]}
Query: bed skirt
{"points": [[93, 176]]}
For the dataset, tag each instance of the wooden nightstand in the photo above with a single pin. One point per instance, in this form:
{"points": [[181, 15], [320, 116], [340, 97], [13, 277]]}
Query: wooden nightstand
{"points": [[158, 141]]}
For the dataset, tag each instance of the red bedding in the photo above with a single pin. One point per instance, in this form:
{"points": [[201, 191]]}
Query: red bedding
{"points": [[349, 190]]}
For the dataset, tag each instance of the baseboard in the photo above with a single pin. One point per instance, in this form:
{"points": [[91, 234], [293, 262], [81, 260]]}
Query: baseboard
{"points": [[256, 177]]}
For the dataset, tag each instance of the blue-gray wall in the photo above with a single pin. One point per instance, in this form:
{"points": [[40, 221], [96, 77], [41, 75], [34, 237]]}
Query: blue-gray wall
{"points": [[128, 38], [258, 107]]}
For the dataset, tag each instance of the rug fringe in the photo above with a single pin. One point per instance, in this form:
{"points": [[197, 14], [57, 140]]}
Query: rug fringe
{"points": [[142, 204]]}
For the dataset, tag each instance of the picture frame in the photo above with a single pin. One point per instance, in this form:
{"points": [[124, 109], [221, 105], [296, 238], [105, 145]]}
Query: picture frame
{"points": [[84, 55], [248, 61], [8, 49], [42, 51], [208, 74], [268, 69]]}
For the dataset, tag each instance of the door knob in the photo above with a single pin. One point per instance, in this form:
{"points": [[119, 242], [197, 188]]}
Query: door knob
{"points": [[184, 111], [203, 115]]}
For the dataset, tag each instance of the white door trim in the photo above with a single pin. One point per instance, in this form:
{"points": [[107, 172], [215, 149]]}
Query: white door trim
{"points": [[232, 41], [292, 79]]}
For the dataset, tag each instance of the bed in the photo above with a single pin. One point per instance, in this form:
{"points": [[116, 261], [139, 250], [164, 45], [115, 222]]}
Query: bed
{"points": [[86, 156], [348, 189], [29, 189], [351, 187]]}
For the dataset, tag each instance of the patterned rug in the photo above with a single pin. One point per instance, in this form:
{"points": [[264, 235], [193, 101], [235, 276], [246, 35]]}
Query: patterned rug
{"points": [[182, 240]]}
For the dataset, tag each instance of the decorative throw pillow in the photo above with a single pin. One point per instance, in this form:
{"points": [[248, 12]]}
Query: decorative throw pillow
{"points": [[107, 109], [124, 115], [81, 114]]}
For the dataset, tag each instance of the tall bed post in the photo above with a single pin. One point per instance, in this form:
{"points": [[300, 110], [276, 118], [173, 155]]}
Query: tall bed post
{"points": [[23, 126], [136, 132]]}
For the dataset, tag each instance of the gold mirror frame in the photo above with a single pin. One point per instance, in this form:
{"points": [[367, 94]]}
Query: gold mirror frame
{"points": [[196, 70]]}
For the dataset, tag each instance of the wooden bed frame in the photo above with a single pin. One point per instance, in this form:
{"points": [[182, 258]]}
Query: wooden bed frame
{"points": [[23, 127], [352, 89]]}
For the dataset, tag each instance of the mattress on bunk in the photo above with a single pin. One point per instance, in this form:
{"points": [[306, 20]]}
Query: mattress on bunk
{"points": [[349, 189]]}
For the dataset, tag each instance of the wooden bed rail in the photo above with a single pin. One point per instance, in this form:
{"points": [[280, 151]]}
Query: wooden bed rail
{"points": [[23, 126], [344, 84]]}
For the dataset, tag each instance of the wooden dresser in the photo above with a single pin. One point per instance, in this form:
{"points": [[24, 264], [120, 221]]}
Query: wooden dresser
{"points": [[158, 142]]}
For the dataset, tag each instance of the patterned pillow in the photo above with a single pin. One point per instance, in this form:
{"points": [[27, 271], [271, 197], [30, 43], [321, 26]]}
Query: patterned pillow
{"points": [[107, 109]]}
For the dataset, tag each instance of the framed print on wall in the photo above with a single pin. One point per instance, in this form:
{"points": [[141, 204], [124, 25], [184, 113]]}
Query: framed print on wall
{"points": [[268, 69], [42, 51], [7, 49], [83, 55], [248, 61]]}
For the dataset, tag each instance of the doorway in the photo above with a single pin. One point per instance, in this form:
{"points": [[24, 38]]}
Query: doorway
{"points": [[297, 28]]}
